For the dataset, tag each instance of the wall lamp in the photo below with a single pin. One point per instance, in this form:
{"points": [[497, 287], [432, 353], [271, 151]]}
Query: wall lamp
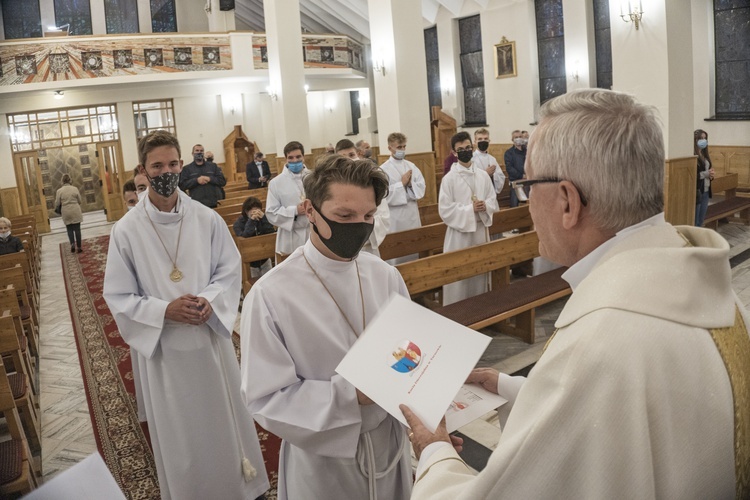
{"points": [[58, 94], [379, 67], [634, 13], [272, 94]]}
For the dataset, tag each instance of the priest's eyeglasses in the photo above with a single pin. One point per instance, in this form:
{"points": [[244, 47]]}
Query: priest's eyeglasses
{"points": [[524, 185]]}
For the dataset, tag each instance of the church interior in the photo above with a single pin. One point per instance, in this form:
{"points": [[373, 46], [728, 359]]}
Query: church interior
{"points": [[82, 82]]}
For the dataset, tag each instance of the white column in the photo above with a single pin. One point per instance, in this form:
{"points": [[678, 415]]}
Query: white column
{"points": [[144, 16], [98, 19], [128, 140], [47, 11], [655, 64], [403, 106], [7, 172], [286, 73], [220, 20], [450, 72]]}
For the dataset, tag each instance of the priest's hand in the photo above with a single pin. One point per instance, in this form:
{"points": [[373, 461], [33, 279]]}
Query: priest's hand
{"points": [[184, 310], [421, 437], [362, 399], [486, 377]]}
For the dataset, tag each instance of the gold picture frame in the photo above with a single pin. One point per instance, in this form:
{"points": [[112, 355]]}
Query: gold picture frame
{"points": [[505, 59]]}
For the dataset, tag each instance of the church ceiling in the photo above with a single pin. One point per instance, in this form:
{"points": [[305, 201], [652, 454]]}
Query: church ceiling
{"points": [[347, 17]]}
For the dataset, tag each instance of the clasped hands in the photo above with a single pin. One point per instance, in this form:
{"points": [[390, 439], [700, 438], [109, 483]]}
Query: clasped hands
{"points": [[421, 437], [204, 179], [189, 309]]}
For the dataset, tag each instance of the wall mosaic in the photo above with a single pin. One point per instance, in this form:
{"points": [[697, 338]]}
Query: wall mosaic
{"points": [[318, 52], [55, 162], [74, 59]]}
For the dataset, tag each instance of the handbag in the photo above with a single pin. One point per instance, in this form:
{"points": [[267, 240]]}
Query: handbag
{"points": [[58, 209]]}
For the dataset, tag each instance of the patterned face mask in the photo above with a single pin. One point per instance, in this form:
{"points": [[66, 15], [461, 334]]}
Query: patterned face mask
{"points": [[165, 184]]}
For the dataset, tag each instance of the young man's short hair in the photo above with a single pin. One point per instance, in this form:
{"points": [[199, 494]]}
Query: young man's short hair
{"points": [[156, 139], [259, 155], [459, 137], [396, 138], [339, 169], [128, 186], [344, 144], [481, 131], [292, 146]]}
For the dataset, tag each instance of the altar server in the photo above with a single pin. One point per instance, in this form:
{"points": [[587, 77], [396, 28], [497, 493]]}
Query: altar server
{"points": [[406, 187], [466, 204], [644, 390], [298, 322], [172, 282], [485, 161], [284, 205]]}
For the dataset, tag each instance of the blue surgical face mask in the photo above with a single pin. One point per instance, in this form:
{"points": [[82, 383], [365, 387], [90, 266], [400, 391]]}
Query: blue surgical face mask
{"points": [[702, 143], [295, 167], [399, 154]]}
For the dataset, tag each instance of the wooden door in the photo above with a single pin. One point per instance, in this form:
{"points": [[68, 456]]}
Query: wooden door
{"points": [[111, 177], [31, 189], [443, 128]]}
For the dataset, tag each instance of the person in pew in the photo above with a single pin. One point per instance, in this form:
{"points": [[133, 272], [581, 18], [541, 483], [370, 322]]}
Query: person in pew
{"points": [[466, 204], [285, 205], [203, 180], [258, 172], [515, 160], [704, 176], [172, 282], [345, 147], [406, 188], [484, 160], [141, 183], [253, 222], [209, 157], [298, 322], [129, 195], [643, 391], [364, 151], [8, 242]]}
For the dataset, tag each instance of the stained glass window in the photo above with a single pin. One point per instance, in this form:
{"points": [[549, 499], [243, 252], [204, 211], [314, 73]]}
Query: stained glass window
{"points": [[433, 67], [603, 42], [732, 37], [76, 14], [121, 16], [472, 70], [550, 36], [21, 19], [163, 16]]}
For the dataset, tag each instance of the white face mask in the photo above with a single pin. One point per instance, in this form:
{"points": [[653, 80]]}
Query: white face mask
{"points": [[142, 194], [4, 234], [131, 207]]}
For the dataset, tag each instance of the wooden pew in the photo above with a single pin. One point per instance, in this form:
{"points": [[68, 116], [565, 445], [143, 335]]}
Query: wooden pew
{"points": [[23, 260], [429, 214], [730, 205], [252, 249], [506, 300], [241, 195]]}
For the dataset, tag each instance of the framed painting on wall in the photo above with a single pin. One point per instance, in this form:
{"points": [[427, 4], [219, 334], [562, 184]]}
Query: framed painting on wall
{"points": [[505, 59]]}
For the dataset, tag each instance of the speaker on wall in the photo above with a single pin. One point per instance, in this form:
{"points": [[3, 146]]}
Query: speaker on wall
{"points": [[226, 4]]}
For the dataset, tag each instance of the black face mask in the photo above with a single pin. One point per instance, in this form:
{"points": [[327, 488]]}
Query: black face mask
{"points": [[483, 145], [465, 156], [347, 239]]}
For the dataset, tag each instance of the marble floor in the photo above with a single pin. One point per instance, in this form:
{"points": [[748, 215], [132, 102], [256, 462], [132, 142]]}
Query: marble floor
{"points": [[67, 435]]}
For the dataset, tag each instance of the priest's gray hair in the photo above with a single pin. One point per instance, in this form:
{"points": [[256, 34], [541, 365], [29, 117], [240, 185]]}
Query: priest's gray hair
{"points": [[332, 169], [610, 146]]}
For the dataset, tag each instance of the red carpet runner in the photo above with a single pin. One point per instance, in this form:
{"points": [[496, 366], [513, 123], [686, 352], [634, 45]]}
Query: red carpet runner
{"points": [[108, 378]]}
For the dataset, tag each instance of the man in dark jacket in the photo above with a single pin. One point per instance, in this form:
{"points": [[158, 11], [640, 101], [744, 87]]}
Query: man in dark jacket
{"points": [[515, 158], [258, 172], [202, 180]]}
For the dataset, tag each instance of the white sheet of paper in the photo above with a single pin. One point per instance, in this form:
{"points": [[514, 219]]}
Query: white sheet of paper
{"points": [[413, 356], [89, 479], [471, 402]]}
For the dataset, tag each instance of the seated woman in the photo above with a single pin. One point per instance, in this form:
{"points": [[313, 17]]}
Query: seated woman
{"points": [[8, 242], [253, 222]]}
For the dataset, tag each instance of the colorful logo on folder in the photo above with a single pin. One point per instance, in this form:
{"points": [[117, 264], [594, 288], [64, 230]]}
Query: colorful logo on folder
{"points": [[406, 357]]}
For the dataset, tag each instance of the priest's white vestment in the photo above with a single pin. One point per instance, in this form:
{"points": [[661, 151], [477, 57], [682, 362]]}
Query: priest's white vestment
{"points": [[382, 224], [631, 399], [484, 160], [466, 228], [293, 337], [403, 200], [285, 192], [188, 374]]}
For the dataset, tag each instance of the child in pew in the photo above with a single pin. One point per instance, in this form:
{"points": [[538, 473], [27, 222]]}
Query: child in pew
{"points": [[253, 222], [8, 242]]}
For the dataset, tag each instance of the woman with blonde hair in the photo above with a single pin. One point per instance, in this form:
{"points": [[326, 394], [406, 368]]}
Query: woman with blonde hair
{"points": [[69, 199]]}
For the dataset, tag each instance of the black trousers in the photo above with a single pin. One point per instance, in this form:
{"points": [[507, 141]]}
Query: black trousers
{"points": [[74, 230]]}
